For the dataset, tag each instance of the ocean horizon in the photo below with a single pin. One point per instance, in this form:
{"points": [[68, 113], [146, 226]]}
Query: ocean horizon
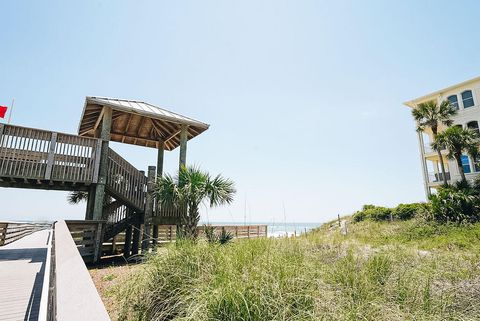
{"points": [[275, 229]]}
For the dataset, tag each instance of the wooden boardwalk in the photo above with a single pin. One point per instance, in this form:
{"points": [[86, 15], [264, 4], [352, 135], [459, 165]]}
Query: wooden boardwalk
{"points": [[22, 269]]}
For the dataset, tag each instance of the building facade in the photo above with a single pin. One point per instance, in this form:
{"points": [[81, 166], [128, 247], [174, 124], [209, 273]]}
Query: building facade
{"points": [[465, 97]]}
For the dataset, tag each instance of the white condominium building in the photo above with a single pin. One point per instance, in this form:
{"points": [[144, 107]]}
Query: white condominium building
{"points": [[465, 97]]}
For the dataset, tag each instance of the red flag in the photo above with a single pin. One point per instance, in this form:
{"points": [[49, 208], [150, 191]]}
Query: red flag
{"points": [[3, 111]]}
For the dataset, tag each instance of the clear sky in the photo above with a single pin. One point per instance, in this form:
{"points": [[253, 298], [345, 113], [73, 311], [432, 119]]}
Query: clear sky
{"points": [[304, 98]]}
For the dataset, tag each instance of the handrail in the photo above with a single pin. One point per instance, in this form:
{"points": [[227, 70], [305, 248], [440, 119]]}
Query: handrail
{"points": [[125, 181], [13, 231], [77, 298], [30, 153]]}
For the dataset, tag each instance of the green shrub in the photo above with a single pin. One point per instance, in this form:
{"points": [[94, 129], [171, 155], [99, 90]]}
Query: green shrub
{"points": [[359, 216], [453, 204], [372, 212], [408, 211], [210, 234], [225, 237], [378, 213]]}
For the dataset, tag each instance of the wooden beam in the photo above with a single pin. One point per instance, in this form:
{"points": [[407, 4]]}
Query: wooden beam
{"points": [[100, 117], [183, 146], [173, 135], [103, 170]]}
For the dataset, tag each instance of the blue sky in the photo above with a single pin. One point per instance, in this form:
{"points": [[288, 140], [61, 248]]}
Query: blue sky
{"points": [[304, 98]]}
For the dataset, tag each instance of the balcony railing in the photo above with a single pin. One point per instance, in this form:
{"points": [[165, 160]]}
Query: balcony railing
{"points": [[437, 177]]}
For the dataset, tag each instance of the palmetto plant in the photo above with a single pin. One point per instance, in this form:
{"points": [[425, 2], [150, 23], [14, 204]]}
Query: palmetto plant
{"points": [[458, 141], [188, 190], [77, 197], [432, 115]]}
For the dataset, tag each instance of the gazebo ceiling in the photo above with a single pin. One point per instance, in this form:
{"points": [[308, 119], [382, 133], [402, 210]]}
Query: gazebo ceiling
{"points": [[137, 123]]}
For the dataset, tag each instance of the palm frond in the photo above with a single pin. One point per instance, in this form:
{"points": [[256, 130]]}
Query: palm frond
{"points": [[77, 197]]}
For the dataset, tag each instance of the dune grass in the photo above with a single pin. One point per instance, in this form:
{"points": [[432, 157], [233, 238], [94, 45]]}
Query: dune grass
{"points": [[380, 271]]}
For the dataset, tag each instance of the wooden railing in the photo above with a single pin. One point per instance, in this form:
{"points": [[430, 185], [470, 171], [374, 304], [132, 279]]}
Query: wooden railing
{"points": [[29, 153], [88, 238], [125, 181], [75, 296], [239, 231], [13, 231]]}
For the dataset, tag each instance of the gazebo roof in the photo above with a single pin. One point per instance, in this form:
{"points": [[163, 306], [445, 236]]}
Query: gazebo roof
{"points": [[137, 122]]}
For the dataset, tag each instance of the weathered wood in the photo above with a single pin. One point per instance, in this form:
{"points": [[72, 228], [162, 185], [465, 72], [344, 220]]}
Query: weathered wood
{"points": [[136, 238], [77, 298], [90, 203], [2, 126], [147, 235], [183, 145], [27, 153], [13, 231], [22, 273], [128, 241], [124, 181], [103, 167]]}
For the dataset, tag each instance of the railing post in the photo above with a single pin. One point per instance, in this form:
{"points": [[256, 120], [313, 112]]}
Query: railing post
{"points": [[147, 235], [2, 126], [248, 231], [51, 156], [4, 234]]}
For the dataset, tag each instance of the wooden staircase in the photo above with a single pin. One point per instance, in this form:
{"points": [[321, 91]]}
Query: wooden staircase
{"points": [[41, 159]]}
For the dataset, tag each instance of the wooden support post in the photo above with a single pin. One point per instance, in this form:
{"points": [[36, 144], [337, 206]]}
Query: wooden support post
{"points": [[103, 170], [248, 231], [90, 203], [160, 157], [128, 241], [136, 238], [155, 235], [147, 235], [114, 244], [183, 146], [157, 212], [98, 242], [51, 156]]}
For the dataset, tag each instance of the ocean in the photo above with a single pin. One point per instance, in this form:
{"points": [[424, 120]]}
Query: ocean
{"points": [[277, 229]]}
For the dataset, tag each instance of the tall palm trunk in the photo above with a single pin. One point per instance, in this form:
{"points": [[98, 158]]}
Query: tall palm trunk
{"points": [[442, 166], [192, 222], [440, 157], [458, 158]]}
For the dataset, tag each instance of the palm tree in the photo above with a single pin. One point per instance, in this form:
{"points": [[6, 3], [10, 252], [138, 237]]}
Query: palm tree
{"points": [[76, 197], [188, 190], [431, 115], [457, 141]]}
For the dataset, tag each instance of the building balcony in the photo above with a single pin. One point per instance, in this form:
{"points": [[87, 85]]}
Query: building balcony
{"points": [[435, 179]]}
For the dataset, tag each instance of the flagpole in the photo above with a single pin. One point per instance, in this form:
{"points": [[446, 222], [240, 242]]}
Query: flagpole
{"points": [[11, 109]]}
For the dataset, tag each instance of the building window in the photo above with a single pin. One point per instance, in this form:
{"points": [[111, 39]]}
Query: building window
{"points": [[453, 101], [476, 164], [473, 125], [465, 164], [467, 99]]}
